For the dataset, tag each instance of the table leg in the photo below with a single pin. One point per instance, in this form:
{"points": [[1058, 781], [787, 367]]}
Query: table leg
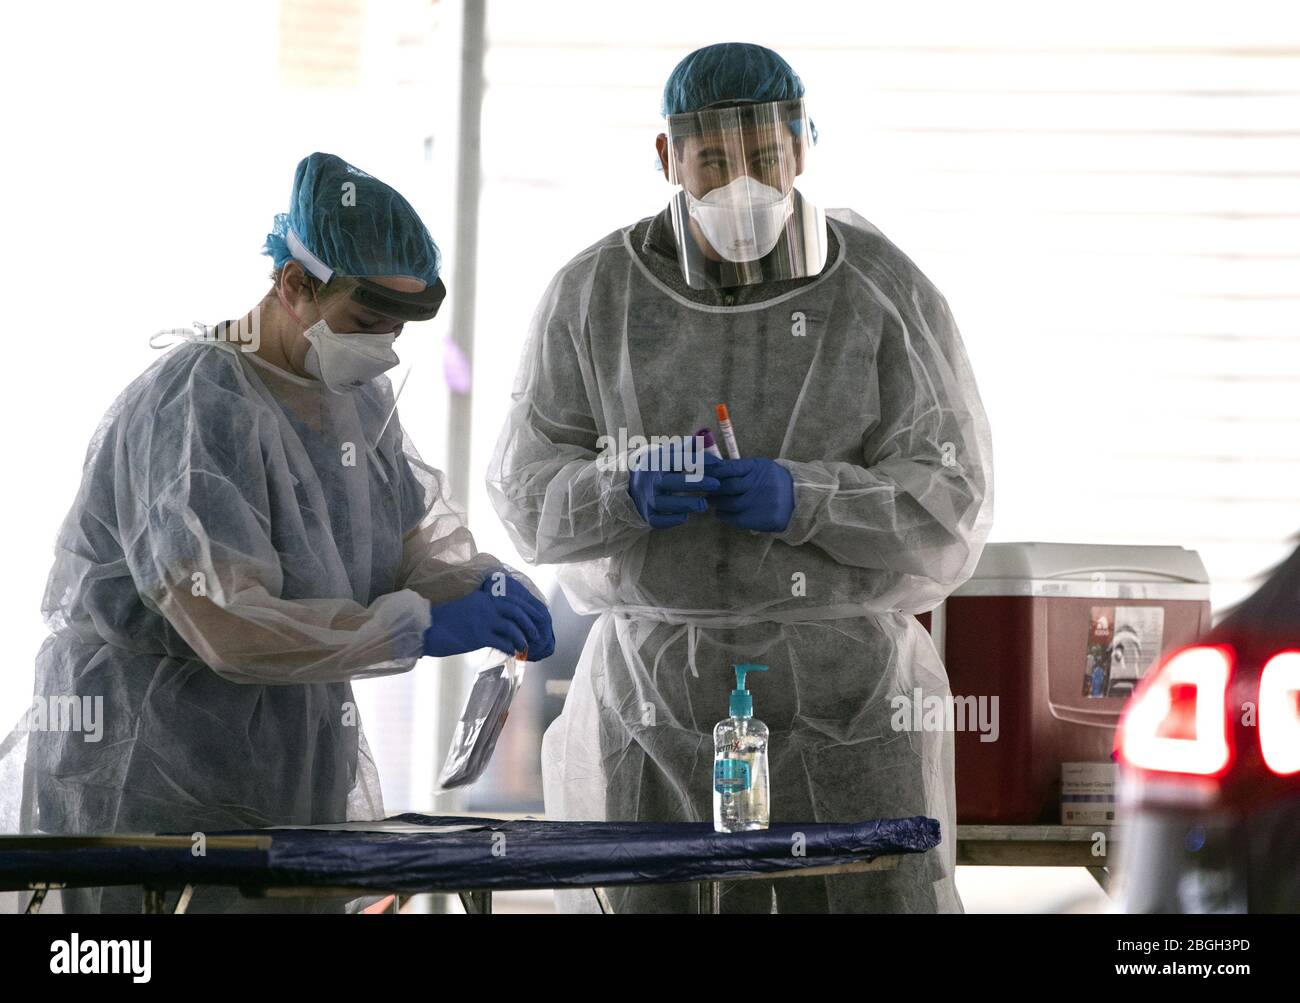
{"points": [[477, 903], [153, 901]]}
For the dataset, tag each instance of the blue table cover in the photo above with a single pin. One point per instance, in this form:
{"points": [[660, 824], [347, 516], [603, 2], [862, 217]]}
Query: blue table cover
{"points": [[495, 855]]}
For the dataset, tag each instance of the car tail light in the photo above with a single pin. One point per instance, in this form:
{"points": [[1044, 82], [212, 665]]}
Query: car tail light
{"points": [[1279, 713], [1176, 721]]}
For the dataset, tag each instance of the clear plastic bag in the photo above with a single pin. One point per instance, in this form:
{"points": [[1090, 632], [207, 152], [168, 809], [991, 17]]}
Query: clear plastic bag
{"points": [[481, 721]]}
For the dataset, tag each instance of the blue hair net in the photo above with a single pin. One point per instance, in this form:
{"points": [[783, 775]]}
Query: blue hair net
{"points": [[729, 71], [352, 223], [732, 71]]}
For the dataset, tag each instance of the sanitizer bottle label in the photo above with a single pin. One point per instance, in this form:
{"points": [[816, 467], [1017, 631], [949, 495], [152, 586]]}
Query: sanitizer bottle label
{"points": [[730, 776]]}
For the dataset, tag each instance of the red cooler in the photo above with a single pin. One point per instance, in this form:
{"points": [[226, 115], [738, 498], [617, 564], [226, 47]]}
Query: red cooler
{"points": [[1060, 634]]}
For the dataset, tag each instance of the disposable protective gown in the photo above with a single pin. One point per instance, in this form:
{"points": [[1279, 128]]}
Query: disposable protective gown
{"points": [[859, 384], [244, 543]]}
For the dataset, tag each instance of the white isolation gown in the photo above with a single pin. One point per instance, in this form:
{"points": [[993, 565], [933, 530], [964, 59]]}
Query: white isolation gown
{"points": [[857, 382], [243, 544]]}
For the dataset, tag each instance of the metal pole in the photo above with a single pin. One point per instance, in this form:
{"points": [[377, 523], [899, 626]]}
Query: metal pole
{"points": [[462, 295], [469, 184]]}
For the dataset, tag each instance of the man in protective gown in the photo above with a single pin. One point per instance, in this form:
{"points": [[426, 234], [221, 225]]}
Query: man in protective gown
{"points": [[863, 497]]}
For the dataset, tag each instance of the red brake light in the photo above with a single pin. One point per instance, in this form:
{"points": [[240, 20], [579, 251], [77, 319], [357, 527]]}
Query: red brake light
{"points": [[1279, 713], [1175, 722]]}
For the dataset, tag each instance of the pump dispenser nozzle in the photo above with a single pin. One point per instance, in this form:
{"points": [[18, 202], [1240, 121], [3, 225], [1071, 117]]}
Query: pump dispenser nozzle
{"points": [[742, 702]]}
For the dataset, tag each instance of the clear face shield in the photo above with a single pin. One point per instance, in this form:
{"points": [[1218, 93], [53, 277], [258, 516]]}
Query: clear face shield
{"points": [[738, 218]]}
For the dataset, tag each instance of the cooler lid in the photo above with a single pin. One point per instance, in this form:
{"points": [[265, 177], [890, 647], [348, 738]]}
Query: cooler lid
{"points": [[1084, 569]]}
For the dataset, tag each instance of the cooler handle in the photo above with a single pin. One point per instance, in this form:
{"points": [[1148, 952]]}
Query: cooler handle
{"points": [[1110, 569], [1093, 719]]}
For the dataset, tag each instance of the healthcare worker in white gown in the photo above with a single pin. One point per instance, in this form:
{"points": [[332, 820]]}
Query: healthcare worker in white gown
{"points": [[863, 496], [253, 531]]}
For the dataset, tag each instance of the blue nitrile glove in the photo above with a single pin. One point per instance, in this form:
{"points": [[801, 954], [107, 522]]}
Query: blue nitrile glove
{"points": [[754, 494], [511, 622], [664, 496], [541, 644]]}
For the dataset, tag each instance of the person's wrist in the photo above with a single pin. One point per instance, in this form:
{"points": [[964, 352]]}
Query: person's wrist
{"points": [[794, 530], [786, 511], [619, 502]]}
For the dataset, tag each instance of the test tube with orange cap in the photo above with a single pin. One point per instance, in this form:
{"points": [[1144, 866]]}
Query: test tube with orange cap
{"points": [[728, 434]]}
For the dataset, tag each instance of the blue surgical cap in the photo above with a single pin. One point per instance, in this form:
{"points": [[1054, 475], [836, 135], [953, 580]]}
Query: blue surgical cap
{"points": [[729, 71], [342, 220]]}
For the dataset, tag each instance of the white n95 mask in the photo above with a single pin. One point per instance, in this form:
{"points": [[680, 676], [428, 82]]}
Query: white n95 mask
{"points": [[344, 362], [742, 220]]}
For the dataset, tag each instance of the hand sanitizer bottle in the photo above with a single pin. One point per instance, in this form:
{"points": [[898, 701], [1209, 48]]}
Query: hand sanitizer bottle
{"points": [[740, 791]]}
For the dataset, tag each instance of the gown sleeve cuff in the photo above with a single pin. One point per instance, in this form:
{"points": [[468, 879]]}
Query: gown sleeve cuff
{"points": [[809, 496]]}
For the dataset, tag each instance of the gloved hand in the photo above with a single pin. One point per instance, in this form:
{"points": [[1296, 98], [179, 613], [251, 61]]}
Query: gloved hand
{"points": [[544, 644], [664, 496], [753, 494], [512, 622]]}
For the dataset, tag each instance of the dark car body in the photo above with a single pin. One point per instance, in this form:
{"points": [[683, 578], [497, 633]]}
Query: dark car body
{"points": [[1210, 827]]}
